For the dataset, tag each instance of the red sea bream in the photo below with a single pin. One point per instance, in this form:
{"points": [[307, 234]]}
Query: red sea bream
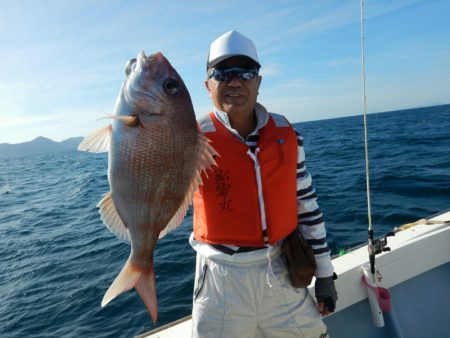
{"points": [[156, 156]]}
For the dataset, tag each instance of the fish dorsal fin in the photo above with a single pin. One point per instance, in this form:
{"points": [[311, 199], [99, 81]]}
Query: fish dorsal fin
{"points": [[205, 159], [98, 141], [111, 218]]}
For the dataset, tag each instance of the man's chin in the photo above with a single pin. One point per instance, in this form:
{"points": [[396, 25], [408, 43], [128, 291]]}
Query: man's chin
{"points": [[233, 108]]}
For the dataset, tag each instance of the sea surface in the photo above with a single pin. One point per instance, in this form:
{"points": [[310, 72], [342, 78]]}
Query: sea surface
{"points": [[58, 259]]}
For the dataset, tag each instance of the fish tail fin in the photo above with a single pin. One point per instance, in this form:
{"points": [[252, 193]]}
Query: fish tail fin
{"points": [[146, 288], [125, 281], [130, 277]]}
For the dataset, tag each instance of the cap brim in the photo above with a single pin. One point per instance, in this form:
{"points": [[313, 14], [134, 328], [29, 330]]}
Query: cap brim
{"points": [[244, 59]]}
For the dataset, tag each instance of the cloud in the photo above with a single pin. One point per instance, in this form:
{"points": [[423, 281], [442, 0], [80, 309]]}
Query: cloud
{"points": [[329, 15], [377, 8], [13, 121], [306, 100], [310, 108], [337, 17], [271, 69], [348, 60]]}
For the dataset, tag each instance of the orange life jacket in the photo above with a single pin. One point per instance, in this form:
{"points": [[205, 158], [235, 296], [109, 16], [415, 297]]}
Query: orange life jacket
{"points": [[247, 190]]}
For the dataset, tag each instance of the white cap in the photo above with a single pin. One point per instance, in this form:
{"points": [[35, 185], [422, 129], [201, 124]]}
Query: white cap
{"points": [[231, 44]]}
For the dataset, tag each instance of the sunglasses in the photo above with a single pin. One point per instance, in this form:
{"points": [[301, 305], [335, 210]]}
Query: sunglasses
{"points": [[226, 74]]}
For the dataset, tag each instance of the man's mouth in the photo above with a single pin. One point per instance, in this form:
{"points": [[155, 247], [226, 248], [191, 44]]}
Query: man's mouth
{"points": [[233, 95]]}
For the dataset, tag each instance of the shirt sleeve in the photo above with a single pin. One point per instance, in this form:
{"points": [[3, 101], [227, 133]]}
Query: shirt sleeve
{"points": [[310, 220]]}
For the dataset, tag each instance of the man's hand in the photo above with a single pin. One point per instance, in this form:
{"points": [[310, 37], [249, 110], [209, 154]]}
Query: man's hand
{"points": [[326, 294]]}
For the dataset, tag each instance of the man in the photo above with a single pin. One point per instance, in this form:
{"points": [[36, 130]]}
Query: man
{"points": [[259, 193]]}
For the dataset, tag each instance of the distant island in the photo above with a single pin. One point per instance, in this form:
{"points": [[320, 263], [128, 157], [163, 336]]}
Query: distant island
{"points": [[39, 145]]}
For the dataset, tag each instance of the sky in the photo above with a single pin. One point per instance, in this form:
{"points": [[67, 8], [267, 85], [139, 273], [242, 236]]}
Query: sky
{"points": [[62, 61]]}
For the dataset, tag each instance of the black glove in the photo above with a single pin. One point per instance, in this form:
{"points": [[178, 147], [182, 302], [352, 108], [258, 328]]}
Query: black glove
{"points": [[326, 292]]}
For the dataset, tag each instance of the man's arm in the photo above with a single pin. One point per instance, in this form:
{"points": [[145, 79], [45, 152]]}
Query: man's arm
{"points": [[312, 227], [310, 220]]}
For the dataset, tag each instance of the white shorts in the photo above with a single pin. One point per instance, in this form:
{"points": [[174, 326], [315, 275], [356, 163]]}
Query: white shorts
{"points": [[234, 300]]}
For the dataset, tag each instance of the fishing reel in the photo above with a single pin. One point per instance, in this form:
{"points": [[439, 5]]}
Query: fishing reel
{"points": [[379, 245]]}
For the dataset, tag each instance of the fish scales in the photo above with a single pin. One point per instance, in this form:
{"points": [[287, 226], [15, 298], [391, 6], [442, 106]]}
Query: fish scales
{"points": [[146, 177]]}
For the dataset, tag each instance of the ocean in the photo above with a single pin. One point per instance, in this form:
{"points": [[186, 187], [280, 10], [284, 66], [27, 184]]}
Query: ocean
{"points": [[58, 259]]}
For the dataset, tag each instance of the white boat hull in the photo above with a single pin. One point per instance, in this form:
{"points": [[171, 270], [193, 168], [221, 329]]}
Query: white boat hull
{"points": [[417, 273]]}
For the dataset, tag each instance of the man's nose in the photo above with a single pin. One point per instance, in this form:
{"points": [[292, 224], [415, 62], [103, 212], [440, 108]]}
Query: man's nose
{"points": [[234, 81]]}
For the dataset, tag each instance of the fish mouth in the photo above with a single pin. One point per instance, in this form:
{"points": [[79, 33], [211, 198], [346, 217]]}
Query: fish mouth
{"points": [[137, 63], [155, 56], [145, 61]]}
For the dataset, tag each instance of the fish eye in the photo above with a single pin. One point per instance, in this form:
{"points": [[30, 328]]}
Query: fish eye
{"points": [[171, 86]]}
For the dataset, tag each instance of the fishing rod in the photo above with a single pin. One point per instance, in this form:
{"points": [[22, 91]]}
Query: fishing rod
{"points": [[366, 146], [375, 246]]}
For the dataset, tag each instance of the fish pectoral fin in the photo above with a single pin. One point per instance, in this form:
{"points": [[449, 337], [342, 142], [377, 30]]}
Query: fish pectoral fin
{"points": [[178, 217], [98, 141], [182, 210], [111, 218], [205, 159], [130, 121], [130, 277]]}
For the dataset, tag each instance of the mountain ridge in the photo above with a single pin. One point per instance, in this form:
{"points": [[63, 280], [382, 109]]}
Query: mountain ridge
{"points": [[39, 145]]}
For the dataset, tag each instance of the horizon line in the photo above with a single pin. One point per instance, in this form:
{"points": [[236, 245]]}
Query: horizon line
{"points": [[323, 119]]}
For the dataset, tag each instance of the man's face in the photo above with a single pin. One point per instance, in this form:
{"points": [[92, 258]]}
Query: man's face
{"points": [[234, 96]]}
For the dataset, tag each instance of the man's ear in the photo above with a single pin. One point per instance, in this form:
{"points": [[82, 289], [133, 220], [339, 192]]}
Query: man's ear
{"points": [[259, 79], [207, 87]]}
